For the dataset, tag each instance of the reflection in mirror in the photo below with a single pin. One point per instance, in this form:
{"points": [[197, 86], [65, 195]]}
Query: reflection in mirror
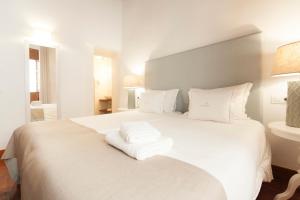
{"points": [[42, 83]]}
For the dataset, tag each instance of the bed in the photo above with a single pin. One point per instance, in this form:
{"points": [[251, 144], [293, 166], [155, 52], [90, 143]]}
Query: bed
{"points": [[68, 159], [43, 112], [236, 154]]}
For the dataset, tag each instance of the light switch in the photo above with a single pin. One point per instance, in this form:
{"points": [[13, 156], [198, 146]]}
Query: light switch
{"points": [[277, 99]]}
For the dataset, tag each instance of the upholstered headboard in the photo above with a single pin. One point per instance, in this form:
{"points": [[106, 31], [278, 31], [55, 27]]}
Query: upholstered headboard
{"points": [[222, 64]]}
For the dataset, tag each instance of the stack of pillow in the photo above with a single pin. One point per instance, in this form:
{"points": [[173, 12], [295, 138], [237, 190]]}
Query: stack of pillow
{"points": [[219, 105], [139, 140]]}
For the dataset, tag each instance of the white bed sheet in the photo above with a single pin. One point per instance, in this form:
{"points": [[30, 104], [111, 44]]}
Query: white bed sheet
{"points": [[236, 154], [49, 111]]}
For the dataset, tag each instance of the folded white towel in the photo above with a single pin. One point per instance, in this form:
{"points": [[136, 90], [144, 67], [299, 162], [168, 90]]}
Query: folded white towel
{"points": [[139, 151], [138, 132]]}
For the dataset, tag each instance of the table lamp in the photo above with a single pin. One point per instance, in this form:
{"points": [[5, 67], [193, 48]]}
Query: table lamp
{"points": [[131, 83], [288, 63]]}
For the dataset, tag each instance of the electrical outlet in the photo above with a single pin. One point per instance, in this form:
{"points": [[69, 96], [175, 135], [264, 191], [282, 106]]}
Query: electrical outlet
{"points": [[275, 99]]}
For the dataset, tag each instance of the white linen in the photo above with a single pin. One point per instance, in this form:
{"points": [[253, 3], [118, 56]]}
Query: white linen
{"points": [[48, 111], [170, 100], [213, 105], [139, 151], [239, 98], [158, 101], [169, 104], [36, 103], [152, 101], [236, 154], [138, 132]]}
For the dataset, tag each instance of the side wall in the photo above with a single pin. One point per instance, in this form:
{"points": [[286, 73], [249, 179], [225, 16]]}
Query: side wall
{"points": [[79, 27]]}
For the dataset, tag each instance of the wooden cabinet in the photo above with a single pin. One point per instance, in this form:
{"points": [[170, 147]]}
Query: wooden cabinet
{"points": [[105, 106]]}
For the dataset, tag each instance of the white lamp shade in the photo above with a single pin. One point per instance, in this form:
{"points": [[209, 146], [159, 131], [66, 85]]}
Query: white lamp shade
{"points": [[133, 81], [287, 59]]}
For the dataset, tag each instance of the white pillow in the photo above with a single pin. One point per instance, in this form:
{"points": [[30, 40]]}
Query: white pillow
{"points": [[239, 101], [152, 101], [169, 104], [240, 94], [213, 105]]}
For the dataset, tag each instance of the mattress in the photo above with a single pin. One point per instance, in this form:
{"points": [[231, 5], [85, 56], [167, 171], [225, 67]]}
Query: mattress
{"points": [[236, 154]]}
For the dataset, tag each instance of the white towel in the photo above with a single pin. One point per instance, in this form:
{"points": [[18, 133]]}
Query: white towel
{"points": [[139, 151], [138, 132]]}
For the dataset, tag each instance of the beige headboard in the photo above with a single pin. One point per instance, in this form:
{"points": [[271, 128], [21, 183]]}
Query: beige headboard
{"points": [[222, 64]]}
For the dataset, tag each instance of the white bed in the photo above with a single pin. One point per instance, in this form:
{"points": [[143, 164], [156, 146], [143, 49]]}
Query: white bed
{"points": [[236, 154], [43, 112]]}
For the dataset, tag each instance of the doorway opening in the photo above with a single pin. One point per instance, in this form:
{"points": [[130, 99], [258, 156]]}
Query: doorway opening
{"points": [[103, 71]]}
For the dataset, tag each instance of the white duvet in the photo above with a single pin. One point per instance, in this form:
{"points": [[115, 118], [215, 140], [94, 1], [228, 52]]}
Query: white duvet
{"points": [[236, 154]]}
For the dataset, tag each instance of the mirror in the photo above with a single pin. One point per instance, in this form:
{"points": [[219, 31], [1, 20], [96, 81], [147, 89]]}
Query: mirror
{"points": [[42, 83]]}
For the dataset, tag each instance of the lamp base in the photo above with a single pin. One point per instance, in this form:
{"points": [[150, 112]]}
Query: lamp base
{"points": [[293, 104], [131, 98]]}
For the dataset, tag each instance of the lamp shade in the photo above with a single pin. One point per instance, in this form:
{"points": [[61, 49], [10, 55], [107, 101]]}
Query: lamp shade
{"points": [[287, 59], [133, 81]]}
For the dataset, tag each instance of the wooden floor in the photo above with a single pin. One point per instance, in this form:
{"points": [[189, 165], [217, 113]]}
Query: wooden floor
{"points": [[278, 185], [9, 190]]}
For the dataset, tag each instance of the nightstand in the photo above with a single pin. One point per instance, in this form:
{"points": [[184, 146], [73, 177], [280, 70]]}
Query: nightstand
{"points": [[289, 133]]}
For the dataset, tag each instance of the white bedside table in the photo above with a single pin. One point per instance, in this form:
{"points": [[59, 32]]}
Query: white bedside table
{"points": [[290, 133]]}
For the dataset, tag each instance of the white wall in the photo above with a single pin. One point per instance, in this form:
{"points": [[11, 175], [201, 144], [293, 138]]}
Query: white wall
{"points": [[79, 27], [157, 28]]}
